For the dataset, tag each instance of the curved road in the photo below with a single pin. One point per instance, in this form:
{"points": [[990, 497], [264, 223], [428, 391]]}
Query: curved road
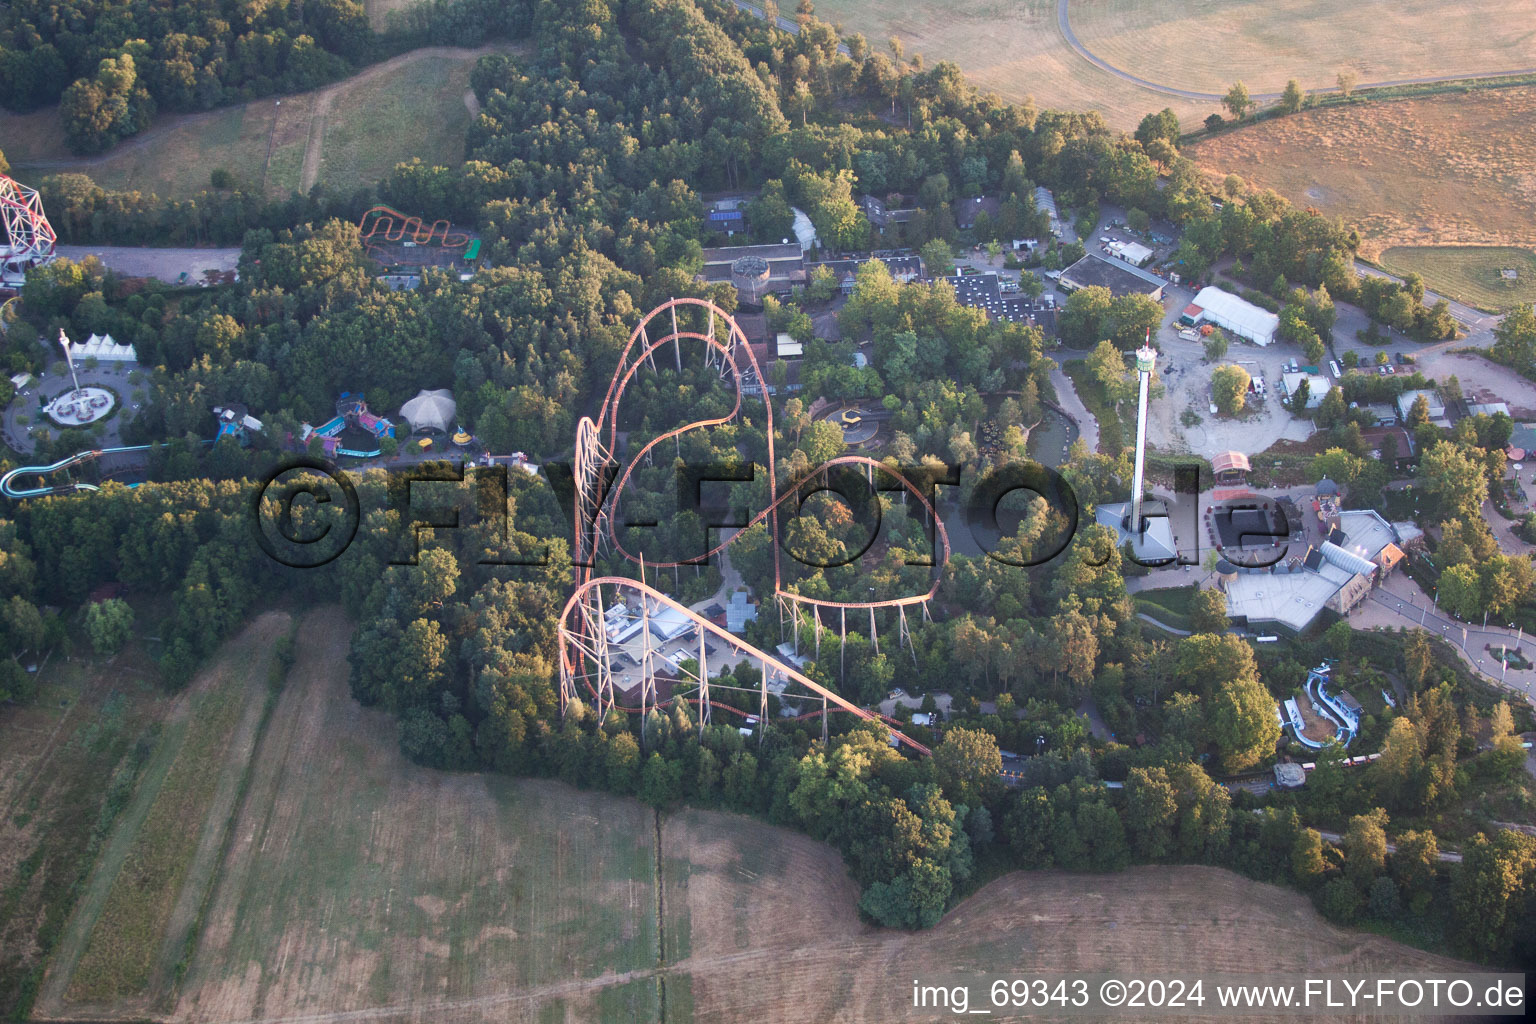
{"points": [[1064, 22]]}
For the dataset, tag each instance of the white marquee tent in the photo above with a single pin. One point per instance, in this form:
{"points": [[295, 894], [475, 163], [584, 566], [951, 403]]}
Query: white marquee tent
{"points": [[103, 349], [1242, 318], [431, 410]]}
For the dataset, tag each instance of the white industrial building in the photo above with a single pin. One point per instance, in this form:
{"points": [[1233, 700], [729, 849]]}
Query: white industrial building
{"points": [[1133, 253], [1236, 316]]}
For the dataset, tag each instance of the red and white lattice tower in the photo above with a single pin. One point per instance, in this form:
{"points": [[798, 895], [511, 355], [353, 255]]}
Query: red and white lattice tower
{"points": [[27, 239]]}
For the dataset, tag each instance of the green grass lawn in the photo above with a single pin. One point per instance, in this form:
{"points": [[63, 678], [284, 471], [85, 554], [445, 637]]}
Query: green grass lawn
{"points": [[1170, 607], [1469, 273], [387, 114]]}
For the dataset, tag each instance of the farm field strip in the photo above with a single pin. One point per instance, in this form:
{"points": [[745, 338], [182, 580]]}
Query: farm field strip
{"points": [[357, 880], [152, 875]]}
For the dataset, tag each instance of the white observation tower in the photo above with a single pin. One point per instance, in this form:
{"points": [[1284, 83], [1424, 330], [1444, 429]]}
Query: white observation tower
{"points": [[1151, 539]]}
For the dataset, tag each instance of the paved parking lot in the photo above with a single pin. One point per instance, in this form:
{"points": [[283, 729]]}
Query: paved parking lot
{"points": [[165, 264]]}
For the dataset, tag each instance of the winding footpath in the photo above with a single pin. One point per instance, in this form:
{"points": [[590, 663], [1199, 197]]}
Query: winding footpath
{"points": [[1064, 22]]}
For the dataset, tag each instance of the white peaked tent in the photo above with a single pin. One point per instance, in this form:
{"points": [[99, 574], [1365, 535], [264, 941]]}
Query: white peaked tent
{"points": [[431, 410], [102, 348]]}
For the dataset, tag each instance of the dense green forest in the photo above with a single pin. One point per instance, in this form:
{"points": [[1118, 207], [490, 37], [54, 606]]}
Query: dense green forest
{"points": [[583, 175]]}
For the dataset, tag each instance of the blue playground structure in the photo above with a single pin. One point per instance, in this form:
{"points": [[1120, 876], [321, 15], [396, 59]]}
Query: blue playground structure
{"points": [[351, 411]]}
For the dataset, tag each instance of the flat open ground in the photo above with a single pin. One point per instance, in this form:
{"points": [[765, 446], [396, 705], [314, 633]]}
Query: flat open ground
{"points": [[341, 136], [1017, 49], [1453, 169], [1474, 274], [356, 887]]}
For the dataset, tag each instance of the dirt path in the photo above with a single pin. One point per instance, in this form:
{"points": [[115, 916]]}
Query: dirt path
{"points": [[1066, 394]]}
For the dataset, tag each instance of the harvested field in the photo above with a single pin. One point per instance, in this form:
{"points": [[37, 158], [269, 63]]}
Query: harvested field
{"points": [[775, 936], [358, 880], [358, 887], [1014, 49], [1017, 49], [133, 920], [1452, 169], [1265, 44]]}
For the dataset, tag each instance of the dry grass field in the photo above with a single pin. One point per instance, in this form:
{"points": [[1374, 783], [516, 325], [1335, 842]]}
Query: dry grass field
{"points": [[358, 881], [357, 887], [342, 136], [1440, 170], [1010, 47], [1015, 47], [1202, 45]]}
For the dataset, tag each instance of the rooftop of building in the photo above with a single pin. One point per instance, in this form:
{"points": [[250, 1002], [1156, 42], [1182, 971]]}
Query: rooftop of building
{"points": [[1119, 277]]}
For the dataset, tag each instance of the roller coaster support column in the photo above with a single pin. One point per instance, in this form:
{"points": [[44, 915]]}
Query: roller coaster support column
{"points": [[677, 343], [703, 685], [823, 720], [874, 637], [647, 673], [762, 715], [604, 666], [842, 647]]}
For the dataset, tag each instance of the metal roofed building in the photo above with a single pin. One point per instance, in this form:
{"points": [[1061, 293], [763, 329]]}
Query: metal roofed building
{"points": [[1436, 405], [1236, 315], [1317, 387], [785, 265], [1119, 277]]}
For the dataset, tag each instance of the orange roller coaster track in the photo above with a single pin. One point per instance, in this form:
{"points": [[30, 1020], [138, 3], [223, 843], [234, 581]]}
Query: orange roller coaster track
{"points": [[387, 224], [585, 656]]}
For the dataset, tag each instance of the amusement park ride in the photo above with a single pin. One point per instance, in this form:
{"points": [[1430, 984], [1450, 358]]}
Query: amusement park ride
{"points": [[28, 239], [587, 654]]}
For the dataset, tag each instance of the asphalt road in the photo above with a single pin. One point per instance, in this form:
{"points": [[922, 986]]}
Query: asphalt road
{"points": [[165, 264], [1064, 22]]}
